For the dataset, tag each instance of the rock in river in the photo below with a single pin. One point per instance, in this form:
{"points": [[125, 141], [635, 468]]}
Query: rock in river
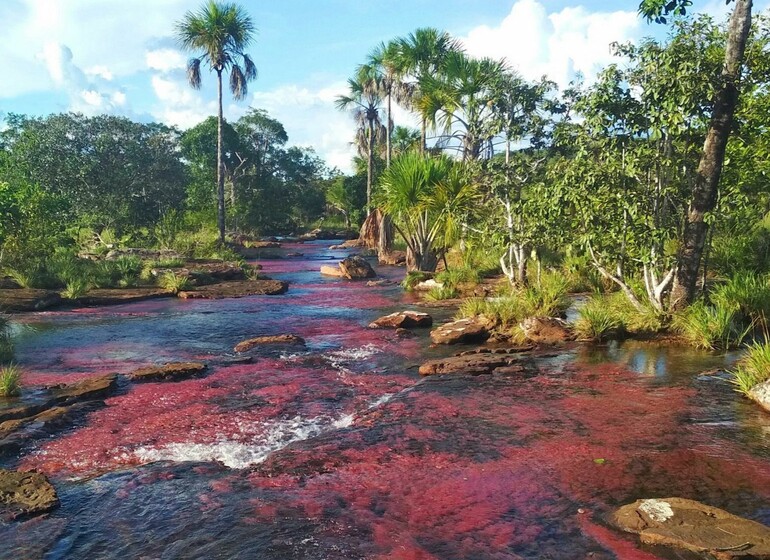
{"points": [[288, 339], [475, 364], [265, 287], [352, 268], [761, 394], [25, 493], [403, 320], [168, 372], [546, 330], [689, 525], [462, 331]]}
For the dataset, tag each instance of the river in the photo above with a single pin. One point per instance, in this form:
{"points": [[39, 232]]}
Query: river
{"points": [[341, 451]]}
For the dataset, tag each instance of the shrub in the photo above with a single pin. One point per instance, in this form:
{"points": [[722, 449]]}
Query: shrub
{"points": [[749, 292], [173, 282], [753, 368], [75, 289], [597, 320], [460, 275], [10, 381], [711, 327], [442, 292], [413, 278]]}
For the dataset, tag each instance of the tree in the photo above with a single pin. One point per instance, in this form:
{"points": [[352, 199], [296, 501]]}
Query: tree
{"points": [[364, 100], [706, 188], [222, 32]]}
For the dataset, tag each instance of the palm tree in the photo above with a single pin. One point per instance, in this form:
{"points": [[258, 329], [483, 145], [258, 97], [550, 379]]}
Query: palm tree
{"points": [[364, 100], [221, 32], [428, 199], [419, 55], [462, 99]]}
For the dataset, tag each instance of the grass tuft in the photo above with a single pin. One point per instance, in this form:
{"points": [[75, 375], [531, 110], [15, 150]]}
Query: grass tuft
{"points": [[753, 368], [10, 381]]}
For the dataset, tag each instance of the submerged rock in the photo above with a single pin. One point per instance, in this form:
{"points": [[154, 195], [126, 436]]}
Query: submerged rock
{"points": [[264, 287], [546, 330], [692, 526], [87, 389], [761, 394], [474, 364], [25, 494], [168, 372], [116, 296], [403, 320], [460, 332], [287, 339]]}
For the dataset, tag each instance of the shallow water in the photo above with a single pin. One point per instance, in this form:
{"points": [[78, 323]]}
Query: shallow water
{"points": [[340, 451]]}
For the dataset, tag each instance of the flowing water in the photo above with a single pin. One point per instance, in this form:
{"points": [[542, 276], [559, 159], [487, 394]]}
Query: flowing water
{"points": [[340, 451]]}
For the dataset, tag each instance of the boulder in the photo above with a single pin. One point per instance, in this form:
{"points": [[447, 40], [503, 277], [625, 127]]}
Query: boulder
{"points": [[403, 320], [168, 372], [24, 494], [356, 268], [460, 332], [87, 389], [761, 394], [689, 525], [286, 339], [427, 285], [369, 235], [546, 330], [474, 364], [393, 258], [349, 244], [333, 271], [263, 287]]}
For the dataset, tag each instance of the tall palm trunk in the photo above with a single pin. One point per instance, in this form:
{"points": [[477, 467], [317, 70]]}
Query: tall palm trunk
{"points": [[370, 167], [220, 165], [704, 195], [390, 127]]}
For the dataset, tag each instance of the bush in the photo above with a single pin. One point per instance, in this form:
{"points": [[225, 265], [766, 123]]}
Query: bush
{"points": [[413, 278], [597, 320], [10, 381], [442, 292], [753, 368], [460, 275], [75, 289], [173, 282], [711, 327], [748, 292]]}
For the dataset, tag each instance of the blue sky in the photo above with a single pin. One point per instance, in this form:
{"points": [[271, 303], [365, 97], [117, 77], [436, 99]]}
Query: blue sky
{"points": [[103, 56]]}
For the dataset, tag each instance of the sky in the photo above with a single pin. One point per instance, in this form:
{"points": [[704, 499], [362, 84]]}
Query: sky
{"points": [[108, 57]]}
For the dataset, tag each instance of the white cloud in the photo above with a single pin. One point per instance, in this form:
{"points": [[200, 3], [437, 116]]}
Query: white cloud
{"points": [[558, 44], [165, 59]]}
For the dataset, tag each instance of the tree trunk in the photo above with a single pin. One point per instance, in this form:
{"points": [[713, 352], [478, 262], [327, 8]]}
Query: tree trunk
{"points": [[704, 195], [390, 128], [370, 167], [385, 241], [423, 136], [220, 165], [425, 261]]}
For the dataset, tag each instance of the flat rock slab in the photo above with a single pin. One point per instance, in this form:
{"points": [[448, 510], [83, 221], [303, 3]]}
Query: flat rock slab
{"points": [[546, 330], [689, 525], [285, 339], [761, 394], [474, 364], [26, 299], [116, 296], [168, 372], [265, 287], [87, 389], [24, 494], [333, 271], [403, 320], [460, 332]]}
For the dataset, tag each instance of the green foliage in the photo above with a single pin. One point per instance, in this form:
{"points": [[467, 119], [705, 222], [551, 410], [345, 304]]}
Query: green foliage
{"points": [[6, 341], [441, 293], [458, 275], [753, 368], [711, 327], [747, 292], [10, 381], [414, 277], [581, 275], [597, 320], [174, 282], [75, 289]]}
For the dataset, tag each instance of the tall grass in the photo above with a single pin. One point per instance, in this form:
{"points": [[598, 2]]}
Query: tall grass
{"points": [[749, 293], [711, 327], [458, 275], [597, 320], [75, 289], [173, 282], [10, 381], [753, 368], [441, 293]]}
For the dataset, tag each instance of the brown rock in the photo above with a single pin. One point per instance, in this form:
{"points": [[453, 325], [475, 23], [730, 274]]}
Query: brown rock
{"points": [[334, 271], [25, 494], [369, 235], [85, 390], [473, 364], [116, 296], [349, 244], [462, 331], [393, 258], [27, 299], [546, 330], [168, 372], [356, 268], [689, 525], [403, 320], [264, 287], [291, 339]]}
